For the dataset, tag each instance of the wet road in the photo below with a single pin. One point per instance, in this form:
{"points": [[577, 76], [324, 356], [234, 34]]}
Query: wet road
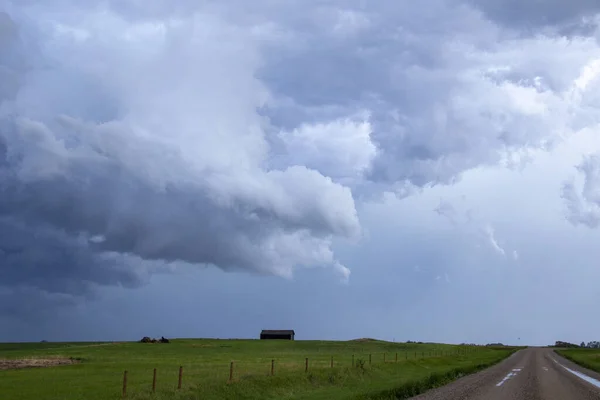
{"points": [[530, 374]]}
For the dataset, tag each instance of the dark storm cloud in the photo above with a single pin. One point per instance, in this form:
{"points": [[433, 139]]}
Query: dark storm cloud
{"points": [[533, 14], [238, 134], [94, 188]]}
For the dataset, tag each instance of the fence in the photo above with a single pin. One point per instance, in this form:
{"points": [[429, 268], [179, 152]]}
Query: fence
{"points": [[341, 361]]}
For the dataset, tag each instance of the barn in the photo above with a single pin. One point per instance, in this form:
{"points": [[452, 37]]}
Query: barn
{"points": [[281, 334]]}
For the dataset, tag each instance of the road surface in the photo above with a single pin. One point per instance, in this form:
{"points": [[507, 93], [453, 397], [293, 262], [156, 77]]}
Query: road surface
{"points": [[529, 374]]}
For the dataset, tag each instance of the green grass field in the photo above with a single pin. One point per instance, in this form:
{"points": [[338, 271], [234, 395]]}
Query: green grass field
{"points": [[587, 358], [206, 367]]}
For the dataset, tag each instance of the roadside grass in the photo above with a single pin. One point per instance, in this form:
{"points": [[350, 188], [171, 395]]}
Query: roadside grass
{"points": [[206, 367], [587, 358]]}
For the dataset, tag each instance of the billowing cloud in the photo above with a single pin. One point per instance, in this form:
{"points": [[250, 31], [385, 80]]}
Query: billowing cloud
{"points": [[341, 149], [143, 143], [441, 101], [135, 138]]}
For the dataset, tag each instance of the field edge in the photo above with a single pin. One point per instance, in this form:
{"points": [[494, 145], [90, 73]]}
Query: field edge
{"points": [[564, 353], [435, 380]]}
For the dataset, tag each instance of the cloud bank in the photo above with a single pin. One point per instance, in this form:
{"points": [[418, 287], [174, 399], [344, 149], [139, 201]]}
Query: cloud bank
{"points": [[115, 152], [137, 139]]}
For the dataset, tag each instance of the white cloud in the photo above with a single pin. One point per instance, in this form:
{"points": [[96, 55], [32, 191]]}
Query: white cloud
{"points": [[583, 205], [489, 232], [341, 148]]}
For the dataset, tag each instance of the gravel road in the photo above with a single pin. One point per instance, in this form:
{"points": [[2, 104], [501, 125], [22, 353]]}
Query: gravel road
{"points": [[529, 374]]}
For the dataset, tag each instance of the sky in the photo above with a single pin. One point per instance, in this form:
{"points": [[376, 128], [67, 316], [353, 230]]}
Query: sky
{"points": [[424, 171]]}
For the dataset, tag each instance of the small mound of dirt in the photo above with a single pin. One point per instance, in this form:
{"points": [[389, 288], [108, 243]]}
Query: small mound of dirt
{"points": [[35, 362]]}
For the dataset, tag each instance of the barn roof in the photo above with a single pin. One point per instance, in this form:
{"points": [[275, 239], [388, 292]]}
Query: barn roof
{"points": [[277, 332]]}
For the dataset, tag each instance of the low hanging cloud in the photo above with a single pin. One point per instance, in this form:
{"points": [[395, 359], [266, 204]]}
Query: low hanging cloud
{"points": [[239, 134], [114, 153]]}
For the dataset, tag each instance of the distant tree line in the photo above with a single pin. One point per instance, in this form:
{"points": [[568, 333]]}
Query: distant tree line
{"points": [[590, 345], [560, 343]]}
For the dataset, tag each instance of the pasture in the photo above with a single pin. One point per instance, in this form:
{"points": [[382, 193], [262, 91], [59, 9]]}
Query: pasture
{"points": [[269, 369]]}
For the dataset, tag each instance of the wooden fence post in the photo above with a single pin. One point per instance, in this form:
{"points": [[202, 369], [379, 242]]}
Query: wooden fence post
{"points": [[331, 361], [180, 376], [306, 365], [231, 372], [272, 367], [396, 356], [154, 381], [369, 359], [124, 384]]}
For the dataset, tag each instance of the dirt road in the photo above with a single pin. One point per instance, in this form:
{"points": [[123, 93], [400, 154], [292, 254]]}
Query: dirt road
{"points": [[530, 374]]}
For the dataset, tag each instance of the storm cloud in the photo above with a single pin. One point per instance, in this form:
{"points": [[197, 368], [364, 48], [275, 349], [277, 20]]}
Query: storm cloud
{"points": [[103, 166], [529, 15], [245, 136]]}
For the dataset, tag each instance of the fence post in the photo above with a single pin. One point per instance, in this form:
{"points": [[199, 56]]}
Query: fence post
{"points": [[331, 361], [231, 372], [124, 384], [154, 381], [369, 359], [272, 367], [396, 356], [180, 376], [306, 365]]}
